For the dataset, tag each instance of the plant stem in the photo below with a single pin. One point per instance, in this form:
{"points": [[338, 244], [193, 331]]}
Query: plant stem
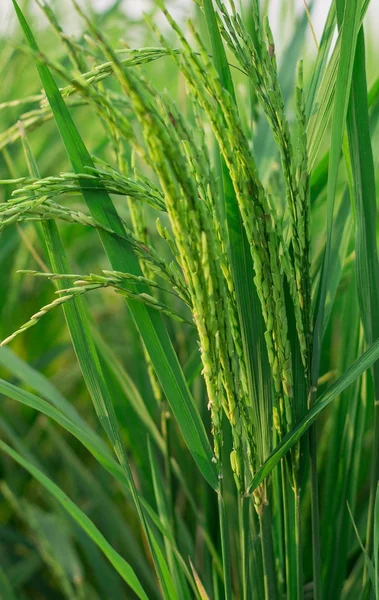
{"points": [[278, 523], [244, 527], [299, 556], [315, 516], [226, 560], [216, 585], [165, 421], [289, 527], [373, 487], [265, 521]]}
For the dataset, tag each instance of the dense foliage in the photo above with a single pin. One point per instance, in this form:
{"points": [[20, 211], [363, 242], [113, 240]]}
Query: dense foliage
{"points": [[203, 424]]}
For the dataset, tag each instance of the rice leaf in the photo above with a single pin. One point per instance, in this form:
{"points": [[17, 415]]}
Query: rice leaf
{"points": [[37, 381], [89, 439], [325, 99], [367, 263], [368, 561], [351, 374], [122, 258], [321, 58], [166, 515], [200, 587], [376, 543], [122, 567], [349, 37]]}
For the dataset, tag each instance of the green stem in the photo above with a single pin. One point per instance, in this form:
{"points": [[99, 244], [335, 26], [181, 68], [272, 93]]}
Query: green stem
{"points": [[278, 523], [316, 548], [216, 585], [299, 555], [244, 527], [373, 486], [289, 527], [265, 521], [165, 417], [226, 559]]}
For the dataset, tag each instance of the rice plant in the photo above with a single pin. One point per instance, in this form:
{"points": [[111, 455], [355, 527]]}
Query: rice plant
{"points": [[200, 420]]}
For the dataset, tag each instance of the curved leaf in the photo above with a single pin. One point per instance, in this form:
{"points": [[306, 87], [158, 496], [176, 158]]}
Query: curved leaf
{"points": [[357, 368]]}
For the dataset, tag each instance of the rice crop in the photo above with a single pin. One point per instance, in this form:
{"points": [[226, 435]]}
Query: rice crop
{"points": [[190, 291]]}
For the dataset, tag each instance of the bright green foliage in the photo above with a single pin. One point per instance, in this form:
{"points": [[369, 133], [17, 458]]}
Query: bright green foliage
{"points": [[237, 388]]}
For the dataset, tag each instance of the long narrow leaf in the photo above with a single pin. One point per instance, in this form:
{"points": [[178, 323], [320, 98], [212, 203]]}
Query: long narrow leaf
{"points": [[122, 567], [360, 366], [122, 258], [367, 263], [350, 29]]}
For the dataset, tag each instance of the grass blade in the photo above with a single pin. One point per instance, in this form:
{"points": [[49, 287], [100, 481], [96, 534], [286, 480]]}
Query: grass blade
{"points": [[89, 439], [200, 587], [325, 98], [376, 543], [122, 258], [165, 514], [122, 567], [367, 263], [351, 374], [343, 84], [368, 561], [94, 377], [322, 57]]}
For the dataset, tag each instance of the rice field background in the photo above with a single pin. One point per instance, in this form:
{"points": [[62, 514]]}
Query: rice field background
{"points": [[189, 292]]}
